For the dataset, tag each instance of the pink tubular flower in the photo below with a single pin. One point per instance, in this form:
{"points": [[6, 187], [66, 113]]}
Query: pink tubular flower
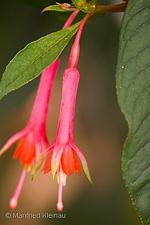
{"points": [[32, 139], [62, 159]]}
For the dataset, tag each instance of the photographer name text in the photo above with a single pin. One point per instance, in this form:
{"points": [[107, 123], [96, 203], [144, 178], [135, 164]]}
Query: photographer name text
{"points": [[27, 215]]}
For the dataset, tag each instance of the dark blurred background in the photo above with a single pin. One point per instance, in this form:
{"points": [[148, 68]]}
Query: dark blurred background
{"points": [[100, 127]]}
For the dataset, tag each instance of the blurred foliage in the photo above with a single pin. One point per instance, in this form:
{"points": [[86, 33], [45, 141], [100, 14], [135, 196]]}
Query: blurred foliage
{"points": [[42, 3]]}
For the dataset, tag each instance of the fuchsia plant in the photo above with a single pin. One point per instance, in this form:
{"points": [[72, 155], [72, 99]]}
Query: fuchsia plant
{"points": [[132, 83], [32, 139]]}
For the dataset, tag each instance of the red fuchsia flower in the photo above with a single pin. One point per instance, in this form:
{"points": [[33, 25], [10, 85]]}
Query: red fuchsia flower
{"points": [[32, 139], [62, 159]]}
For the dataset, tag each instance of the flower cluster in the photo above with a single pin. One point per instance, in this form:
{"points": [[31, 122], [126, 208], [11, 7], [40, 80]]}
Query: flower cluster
{"points": [[33, 146]]}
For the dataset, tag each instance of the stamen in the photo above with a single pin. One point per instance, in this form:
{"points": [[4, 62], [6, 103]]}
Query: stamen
{"points": [[60, 203], [61, 176], [14, 200]]}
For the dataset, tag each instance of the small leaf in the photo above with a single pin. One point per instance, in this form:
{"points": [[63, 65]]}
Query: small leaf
{"points": [[133, 90], [34, 58], [60, 8]]}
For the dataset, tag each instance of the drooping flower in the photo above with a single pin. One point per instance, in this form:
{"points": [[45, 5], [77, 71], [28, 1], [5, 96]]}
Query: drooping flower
{"points": [[32, 139], [63, 152], [62, 158]]}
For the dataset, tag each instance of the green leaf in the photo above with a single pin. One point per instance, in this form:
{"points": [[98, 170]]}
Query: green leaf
{"points": [[133, 90], [58, 8], [34, 58]]}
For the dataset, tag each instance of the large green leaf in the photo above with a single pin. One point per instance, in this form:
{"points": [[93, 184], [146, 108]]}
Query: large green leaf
{"points": [[34, 58], [133, 90]]}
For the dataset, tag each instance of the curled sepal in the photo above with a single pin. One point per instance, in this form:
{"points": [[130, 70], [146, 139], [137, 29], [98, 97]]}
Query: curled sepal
{"points": [[37, 167], [41, 159], [65, 7], [12, 140], [83, 161]]}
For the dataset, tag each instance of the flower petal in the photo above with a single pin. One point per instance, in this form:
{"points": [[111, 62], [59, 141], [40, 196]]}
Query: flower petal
{"points": [[27, 152], [18, 149], [47, 167], [76, 164], [67, 160]]}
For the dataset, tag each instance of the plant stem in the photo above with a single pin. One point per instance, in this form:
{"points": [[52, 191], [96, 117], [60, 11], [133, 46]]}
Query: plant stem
{"points": [[110, 8]]}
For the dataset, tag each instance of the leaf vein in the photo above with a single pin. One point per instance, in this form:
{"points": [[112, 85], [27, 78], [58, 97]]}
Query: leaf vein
{"points": [[33, 62]]}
